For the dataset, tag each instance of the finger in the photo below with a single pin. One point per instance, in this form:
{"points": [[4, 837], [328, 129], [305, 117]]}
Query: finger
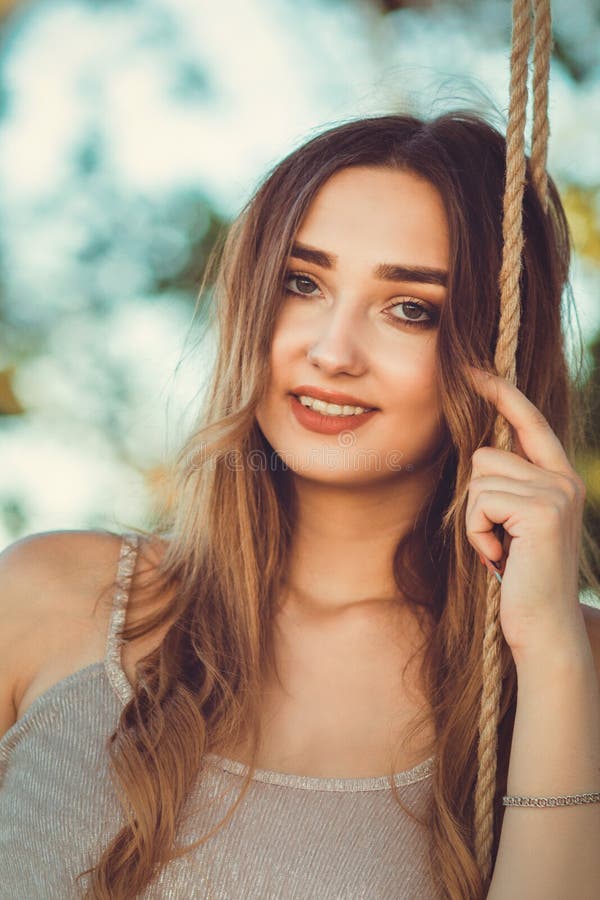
{"points": [[518, 487], [496, 484], [535, 435], [493, 461], [492, 508]]}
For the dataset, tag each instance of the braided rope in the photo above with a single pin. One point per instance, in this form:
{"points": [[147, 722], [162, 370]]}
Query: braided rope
{"points": [[505, 359], [541, 75]]}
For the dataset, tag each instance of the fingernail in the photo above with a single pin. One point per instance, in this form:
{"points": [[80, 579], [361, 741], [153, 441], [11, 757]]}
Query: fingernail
{"points": [[486, 562]]}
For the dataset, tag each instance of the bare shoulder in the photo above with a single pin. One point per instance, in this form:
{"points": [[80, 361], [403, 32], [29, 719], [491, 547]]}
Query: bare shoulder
{"points": [[591, 616], [54, 558], [42, 570], [55, 603], [46, 580]]}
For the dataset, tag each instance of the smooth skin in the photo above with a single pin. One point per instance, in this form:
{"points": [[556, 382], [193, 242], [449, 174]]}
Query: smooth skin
{"points": [[345, 330], [343, 633], [538, 498]]}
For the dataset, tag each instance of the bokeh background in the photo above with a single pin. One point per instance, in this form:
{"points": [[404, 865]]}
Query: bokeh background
{"points": [[132, 131]]}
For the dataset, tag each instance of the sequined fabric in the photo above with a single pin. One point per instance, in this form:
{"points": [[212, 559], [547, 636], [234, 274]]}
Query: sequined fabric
{"points": [[292, 838]]}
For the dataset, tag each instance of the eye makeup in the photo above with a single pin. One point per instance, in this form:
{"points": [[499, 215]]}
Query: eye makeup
{"points": [[412, 303]]}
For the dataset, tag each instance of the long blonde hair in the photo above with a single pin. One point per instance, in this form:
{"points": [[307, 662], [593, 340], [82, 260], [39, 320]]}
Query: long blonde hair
{"points": [[229, 525]]}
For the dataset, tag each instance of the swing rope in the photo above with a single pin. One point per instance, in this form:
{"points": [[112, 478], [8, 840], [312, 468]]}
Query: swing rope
{"points": [[506, 354]]}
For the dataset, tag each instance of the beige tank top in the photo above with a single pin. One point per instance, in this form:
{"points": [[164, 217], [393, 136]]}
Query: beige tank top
{"points": [[296, 837]]}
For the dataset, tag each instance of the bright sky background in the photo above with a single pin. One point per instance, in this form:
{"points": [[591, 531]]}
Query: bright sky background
{"points": [[183, 94]]}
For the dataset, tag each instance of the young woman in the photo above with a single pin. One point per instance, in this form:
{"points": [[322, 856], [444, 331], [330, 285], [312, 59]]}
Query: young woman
{"points": [[291, 676]]}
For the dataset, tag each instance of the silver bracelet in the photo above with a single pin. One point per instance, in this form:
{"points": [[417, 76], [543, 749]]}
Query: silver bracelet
{"points": [[567, 800]]}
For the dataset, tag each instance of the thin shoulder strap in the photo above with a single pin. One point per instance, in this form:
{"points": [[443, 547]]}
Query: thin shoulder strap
{"points": [[112, 659]]}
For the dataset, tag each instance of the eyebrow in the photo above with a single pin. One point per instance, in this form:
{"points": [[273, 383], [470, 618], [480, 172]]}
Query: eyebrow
{"points": [[383, 271]]}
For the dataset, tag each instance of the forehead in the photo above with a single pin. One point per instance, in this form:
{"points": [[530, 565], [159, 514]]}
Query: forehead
{"points": [[378, 215]]}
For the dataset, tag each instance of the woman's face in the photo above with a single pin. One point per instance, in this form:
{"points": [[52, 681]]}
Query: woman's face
{"points": [[352, 322]]}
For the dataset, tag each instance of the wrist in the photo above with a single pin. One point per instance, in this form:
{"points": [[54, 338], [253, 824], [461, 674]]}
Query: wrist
{"points": [[563, 647]]}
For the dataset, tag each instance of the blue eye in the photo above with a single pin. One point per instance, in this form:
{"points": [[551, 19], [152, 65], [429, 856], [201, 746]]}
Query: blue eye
{"points": [[427, 319]]}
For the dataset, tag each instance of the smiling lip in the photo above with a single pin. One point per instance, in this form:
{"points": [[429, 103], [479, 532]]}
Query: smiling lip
{"points": [[316, 421], [329, 396]]}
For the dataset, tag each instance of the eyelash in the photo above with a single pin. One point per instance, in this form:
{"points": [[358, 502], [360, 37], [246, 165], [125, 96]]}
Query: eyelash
{"points": [[412, 323]]}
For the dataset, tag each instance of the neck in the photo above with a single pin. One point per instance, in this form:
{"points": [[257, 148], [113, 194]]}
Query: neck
{"points": [[344, 543]]}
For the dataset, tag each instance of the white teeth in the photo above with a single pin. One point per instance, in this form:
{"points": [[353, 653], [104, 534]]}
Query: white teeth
{"points": [[331, 409]]}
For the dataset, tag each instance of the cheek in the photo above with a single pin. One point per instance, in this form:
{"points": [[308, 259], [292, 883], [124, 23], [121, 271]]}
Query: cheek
{"points": [[279, 384], [279, 359], [415, 408], [283, 355], [285, 345], [416, 375]]}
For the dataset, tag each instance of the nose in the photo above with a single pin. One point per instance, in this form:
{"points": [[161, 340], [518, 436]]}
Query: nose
{"points": [[337, 347]]}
